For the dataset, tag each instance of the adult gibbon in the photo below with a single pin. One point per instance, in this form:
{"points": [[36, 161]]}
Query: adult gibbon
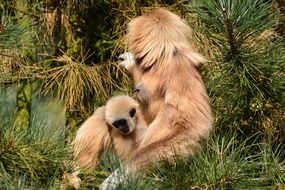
{"points": [[170, 89], [119, 125]]}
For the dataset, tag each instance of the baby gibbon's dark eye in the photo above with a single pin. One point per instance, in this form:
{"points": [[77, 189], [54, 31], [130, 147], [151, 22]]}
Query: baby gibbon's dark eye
{"points": [[132, 112]]}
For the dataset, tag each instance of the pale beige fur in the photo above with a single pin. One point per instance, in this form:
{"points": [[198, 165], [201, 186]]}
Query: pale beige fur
{"points": [[97, 132], [171, 91]]}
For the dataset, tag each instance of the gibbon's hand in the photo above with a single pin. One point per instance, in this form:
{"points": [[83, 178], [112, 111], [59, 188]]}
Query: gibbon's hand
{"points": [[127, 60], [143, 95]]}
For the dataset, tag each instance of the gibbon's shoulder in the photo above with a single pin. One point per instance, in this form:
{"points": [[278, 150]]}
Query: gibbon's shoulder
{"points": [[100, 112], [94, 122]]}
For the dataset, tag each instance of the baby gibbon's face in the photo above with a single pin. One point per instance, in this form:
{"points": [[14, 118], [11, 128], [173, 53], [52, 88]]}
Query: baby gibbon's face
{"points": [[121, 114]]}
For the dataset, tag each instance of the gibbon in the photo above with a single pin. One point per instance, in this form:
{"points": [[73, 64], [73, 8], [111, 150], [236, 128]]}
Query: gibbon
{"points": [[119, 125], [171, 92]]}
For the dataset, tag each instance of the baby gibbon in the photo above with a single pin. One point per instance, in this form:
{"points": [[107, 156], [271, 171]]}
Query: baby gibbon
{"points": [[119, 125], [170, 89]]}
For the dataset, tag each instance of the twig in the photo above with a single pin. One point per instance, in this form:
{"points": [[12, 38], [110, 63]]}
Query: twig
{"points": [[230, 32]]}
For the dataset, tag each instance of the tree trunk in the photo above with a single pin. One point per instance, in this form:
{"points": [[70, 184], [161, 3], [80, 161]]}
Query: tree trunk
{"points": [[24, 91], [23, 105]]}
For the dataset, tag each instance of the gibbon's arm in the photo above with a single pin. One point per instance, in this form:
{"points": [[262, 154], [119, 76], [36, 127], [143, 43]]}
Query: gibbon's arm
{"points": [[162, 138], [128, 61], [178, 126]]}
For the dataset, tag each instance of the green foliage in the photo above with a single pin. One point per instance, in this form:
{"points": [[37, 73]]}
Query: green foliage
{"points": [[77, 81], [223, 162], [36, 157], [91, 33], [11, 34], [12, 42], [245, 75], [39, 158]]}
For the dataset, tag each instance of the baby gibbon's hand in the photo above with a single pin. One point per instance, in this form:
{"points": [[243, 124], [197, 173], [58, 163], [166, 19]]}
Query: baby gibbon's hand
{"points": [[127, 60]]}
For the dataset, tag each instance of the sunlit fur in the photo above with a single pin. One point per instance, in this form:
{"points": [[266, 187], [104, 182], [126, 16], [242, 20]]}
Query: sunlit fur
{"points": [[171, 91], [97, 133]]}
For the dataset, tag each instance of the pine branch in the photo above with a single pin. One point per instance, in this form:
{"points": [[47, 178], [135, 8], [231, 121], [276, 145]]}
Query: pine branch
{"points": [[250, 59], [231, 37]]}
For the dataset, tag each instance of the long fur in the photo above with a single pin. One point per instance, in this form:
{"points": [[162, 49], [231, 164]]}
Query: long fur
{"points": [[171, 91], [91, 138], [96, 133]]}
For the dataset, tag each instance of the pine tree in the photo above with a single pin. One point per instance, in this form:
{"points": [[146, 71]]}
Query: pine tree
{"points": [[246, 70]]}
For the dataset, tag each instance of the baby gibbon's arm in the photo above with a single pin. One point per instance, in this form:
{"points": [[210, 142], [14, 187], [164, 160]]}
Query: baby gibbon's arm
{"points": [[90, 139]]}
